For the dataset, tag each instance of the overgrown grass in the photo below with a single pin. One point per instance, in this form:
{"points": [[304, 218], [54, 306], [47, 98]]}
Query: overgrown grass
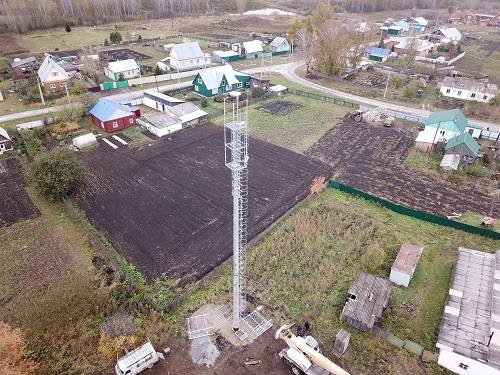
{"points": [[302, 269]]}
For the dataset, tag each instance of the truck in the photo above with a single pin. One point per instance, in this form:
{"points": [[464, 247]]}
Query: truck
{"points": [[303, 355], [137, 360]]}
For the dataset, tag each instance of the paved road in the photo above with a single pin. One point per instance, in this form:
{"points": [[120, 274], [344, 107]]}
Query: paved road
{"points": [[288, 72]]}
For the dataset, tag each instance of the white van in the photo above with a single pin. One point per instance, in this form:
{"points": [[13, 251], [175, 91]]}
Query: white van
{"points": [[137, 360]]}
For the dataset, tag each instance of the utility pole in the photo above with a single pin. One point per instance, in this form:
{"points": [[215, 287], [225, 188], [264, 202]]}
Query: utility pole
{"points": [[40, 89], [433, 140], [387, 84]]}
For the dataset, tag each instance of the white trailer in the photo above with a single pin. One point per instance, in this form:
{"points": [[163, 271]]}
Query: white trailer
{"points": [[138, 360]]}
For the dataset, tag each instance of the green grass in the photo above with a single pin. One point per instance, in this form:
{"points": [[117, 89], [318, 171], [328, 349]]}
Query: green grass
{"points": [[301, 269], [297, 130], [136, 134]]}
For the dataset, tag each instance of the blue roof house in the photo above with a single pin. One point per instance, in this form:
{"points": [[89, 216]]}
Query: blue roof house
{"points": [[377, 54], [111, 116]]}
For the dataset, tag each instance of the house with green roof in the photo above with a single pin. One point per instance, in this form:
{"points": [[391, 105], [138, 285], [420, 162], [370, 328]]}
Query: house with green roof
{"points": [[463, 145], [219, 80]]}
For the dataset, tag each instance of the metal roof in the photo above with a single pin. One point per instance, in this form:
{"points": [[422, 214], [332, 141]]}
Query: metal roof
{"points": [[468, 84], [450, 33], [380, 52], [135, 356], [3, 133], [161, 120], [369, 295], [212, 77], [122, 66], [277, 41], [27, 60], [421, 21], [452, 120], [465, 138], [255, 46], [472, 312], [407, 258], [106, 110], [225, 53], [187, 111], [450, 162], [158, 96], [48, 66], [186, 51]]}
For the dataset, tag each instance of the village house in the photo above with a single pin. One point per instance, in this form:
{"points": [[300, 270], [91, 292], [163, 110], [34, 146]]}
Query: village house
{"points": [[25, 65], [466, 89], [52, 76], [377, 54], [469, 338], [250, 48], [279, 44], [5, 141], [465, 147], [368, 297], [110, 116], [122, 70], [439, 128], [449, 34], [219, 80], [403, 44], [418, 24], [187, 56]]}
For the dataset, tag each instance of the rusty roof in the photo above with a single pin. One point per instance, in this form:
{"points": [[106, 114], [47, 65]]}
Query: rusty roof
{"points": [[407, 259]]}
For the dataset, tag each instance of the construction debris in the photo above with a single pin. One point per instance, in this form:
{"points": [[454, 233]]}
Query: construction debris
{"points": [[376, 117], [252, 362]]}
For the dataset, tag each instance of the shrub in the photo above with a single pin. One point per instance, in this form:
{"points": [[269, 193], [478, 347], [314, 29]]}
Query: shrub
{"points": [[31, 144], [204, 103], [57, 173], [67, 28]]}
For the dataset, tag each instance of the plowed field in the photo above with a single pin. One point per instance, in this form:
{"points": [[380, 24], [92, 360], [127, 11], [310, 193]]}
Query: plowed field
{"points": [[15, 204], [370, 159], [167, 206]]}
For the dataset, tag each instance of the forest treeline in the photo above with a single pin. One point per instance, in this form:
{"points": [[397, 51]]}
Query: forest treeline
{"points": [[25, 15]]}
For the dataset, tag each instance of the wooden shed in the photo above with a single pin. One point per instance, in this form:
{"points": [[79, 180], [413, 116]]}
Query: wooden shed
{"points": [[5, 141], [368, 297], [404, 266]]}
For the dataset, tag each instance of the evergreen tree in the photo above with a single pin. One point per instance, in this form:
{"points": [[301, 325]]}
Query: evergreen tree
{"points": [[67, 28], [309, 25]]}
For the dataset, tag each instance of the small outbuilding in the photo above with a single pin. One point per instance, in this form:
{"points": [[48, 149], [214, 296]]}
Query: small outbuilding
{"points": [[124, 69], [161, 124], [279, 44], [110, 116], [367, 300], [404, 266], [188, 113], [253, 47], [450, 162], [159, 101], [5, 141], [85, 140], [341, 342], [377, 54], [465, 146], [223, 57]]}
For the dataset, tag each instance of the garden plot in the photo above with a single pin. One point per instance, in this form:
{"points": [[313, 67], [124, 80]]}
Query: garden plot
{"points": [[125, 54], [167, 206], [370, 159], [15, 204]]}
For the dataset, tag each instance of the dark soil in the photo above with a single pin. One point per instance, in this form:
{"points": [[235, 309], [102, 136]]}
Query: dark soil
{"points": [[280, 107], [15, 204], [367, 79], [231, 361], [124, 54], [370, 158], [167, 206]]}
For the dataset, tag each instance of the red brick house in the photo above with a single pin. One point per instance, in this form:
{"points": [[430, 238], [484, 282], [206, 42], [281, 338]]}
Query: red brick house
{"points": [[5, 141], [110, 116]]}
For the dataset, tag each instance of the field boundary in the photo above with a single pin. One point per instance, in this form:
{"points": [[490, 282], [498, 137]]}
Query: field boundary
{"points": [[323, 98], [415, 213]]}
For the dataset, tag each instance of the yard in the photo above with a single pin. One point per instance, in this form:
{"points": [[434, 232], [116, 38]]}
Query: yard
{"points": [[167, 207], [371, 159]]}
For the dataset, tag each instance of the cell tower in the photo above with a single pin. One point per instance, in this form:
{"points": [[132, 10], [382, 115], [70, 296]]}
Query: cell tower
{"points": [[236, 159]]}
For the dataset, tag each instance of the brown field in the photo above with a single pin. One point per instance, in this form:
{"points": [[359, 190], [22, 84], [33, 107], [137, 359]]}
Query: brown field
{"points": [[15, 204], [167, 206], [376, 167]]}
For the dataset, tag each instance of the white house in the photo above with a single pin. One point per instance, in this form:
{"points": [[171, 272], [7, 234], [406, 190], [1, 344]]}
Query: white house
{"points": [[52, 76], [461, 88], [255, 46], [469, 338], [404, 266], [126, 68], [187, 56]]}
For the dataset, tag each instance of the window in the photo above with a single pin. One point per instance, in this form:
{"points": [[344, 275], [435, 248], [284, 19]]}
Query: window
{"points": [[102, 124], [459, 93], [131, 120], [247, 84], [228, 88], [447, 91], [200, 81], [472, 95], [196, 88], [240, 85], [115, 124], [62, 85], [55, 74], [464, 366], [223, 82], [442, 132], [485, 97], [52, 85]]}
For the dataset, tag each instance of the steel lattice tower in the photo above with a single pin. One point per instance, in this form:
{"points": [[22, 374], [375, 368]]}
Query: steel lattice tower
{"points": [[236, 159]]}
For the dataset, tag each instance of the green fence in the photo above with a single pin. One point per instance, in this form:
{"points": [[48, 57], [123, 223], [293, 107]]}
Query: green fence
{"points": [[108, 85], [417, 214], [121, 84]]}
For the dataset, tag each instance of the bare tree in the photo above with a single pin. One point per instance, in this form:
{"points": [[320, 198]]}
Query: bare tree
{"points": [[305, 41], [333, 49]]}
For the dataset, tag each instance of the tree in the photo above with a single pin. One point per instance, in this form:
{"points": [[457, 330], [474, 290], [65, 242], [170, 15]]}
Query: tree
{"points": [[309, 26], [294, 28], [77, 88], [399, 80], [106, 43], [67, 28], [31, 144], [115, 37], [90, 63], [57, 173], [411, 89], [381, 42], [14, 358], [305, 40], [158, 71], [322, 13]]}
